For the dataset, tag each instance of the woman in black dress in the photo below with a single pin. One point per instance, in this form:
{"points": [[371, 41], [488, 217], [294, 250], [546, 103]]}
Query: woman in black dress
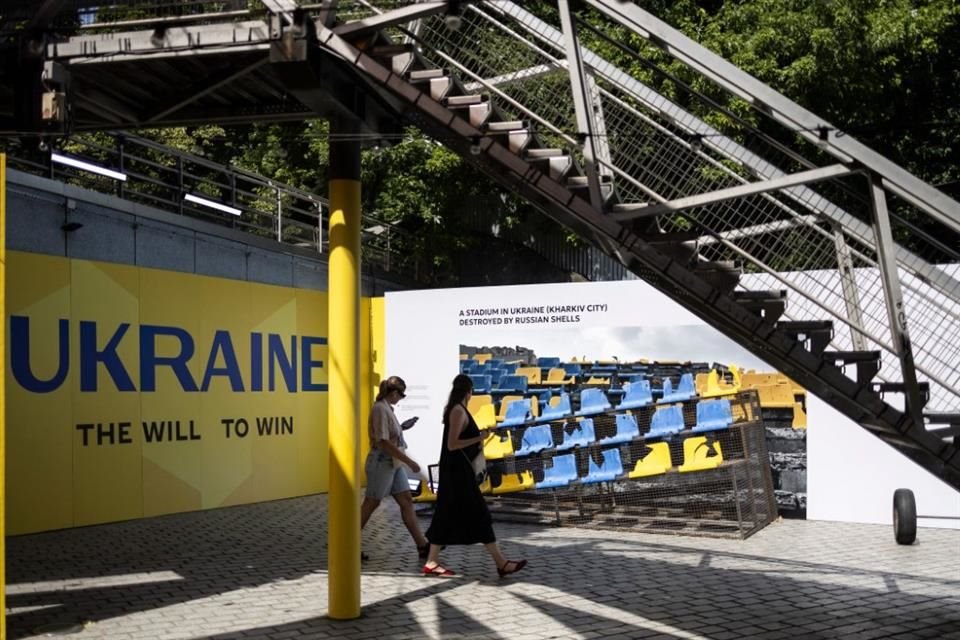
{"points": [[461, 515]]}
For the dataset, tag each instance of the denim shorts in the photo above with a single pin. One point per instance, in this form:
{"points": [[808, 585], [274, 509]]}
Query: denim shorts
{"points": [[383, 479]]}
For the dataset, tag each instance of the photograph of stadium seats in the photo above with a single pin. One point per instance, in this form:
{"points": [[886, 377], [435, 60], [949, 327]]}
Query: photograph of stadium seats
{"points": [[661, 445]]}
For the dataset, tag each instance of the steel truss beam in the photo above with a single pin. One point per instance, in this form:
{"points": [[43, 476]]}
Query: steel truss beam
{"points": [[631, 211]]}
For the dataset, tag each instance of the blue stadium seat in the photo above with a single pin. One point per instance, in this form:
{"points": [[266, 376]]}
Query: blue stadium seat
{"points": [[608, 470], [518, 412], [563, 471], [627, 430], [667, 421], [495, 363], [512, 383], [495, 375], [481, 383], [509, 367], [582, 435], [562, 409], [548, 363], [572, 368], [593, 401], [637, 394], [713, 415], [466, 366], [685, 390], [535, 440]]}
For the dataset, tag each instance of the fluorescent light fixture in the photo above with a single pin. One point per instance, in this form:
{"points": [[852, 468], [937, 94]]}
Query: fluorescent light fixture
{"points": [[213, 205], [86, 166]]}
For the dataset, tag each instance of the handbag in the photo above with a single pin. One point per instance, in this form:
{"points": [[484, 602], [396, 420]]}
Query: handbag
{"points": [[478, 464]]}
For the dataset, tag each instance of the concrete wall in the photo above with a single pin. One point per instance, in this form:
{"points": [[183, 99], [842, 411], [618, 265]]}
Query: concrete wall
{"points": [[123, 232]]}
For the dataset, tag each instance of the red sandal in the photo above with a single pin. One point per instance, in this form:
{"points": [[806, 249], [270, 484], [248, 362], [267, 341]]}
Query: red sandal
{"points": [[517, 565], [438, 571]]}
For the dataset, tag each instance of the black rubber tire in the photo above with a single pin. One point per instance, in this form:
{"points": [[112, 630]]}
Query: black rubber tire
{"points": [[904, 516]]}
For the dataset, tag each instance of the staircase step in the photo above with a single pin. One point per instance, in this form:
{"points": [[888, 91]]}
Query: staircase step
{"points": [[899, 387], [952, 420], [769, 304], [816, 334], [581, 182], [506, 126], [420, 75], [544, 153], [868, 362], [455, 102], [724, 274], [390, 50]]}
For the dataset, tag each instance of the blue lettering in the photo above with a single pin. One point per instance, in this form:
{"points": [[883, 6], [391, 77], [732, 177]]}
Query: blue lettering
{"points": [[89, 357], [223, 344], [256, 362], [149, 360], [308, 364], [20, 356], [288, 365]]}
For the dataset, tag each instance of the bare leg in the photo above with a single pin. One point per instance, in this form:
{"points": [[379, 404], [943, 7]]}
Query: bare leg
{"points": [[496, 554], [409, 515], [366, 510], [433, 558]]}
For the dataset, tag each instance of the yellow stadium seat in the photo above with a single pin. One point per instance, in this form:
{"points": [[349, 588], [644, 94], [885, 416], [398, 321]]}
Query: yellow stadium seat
{"points": [[497, 446], [799, 416], [532, 374], [655, 462], [558, 376], [480, 358], [464, 356], [775, 396], [425, 495], [485, 417], [513, 482], [597, 381], [711, 385], [478, 401], [695, 455]]}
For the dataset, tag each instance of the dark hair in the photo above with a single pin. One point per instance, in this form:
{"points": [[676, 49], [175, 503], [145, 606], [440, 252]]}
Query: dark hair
{"points": [[462, 385], [393, 383]]}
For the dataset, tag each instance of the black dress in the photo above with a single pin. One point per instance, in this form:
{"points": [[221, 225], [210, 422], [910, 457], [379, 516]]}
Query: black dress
{"points": [[461, 515]]}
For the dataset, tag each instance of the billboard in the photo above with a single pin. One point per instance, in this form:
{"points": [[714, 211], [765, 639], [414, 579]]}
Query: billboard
{"points": [[846, 474], [137, 392]]}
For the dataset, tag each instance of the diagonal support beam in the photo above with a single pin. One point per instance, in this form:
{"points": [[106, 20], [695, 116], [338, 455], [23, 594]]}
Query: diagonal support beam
{"points": [[372, 24], [631, 211], [200, 89]]}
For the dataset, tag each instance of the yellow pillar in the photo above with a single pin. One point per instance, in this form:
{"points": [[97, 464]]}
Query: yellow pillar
{"points": [[3, 398], [343, 521]]}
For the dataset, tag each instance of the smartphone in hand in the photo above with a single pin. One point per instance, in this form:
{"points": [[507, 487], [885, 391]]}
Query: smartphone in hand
{"points": [[406, 424]]}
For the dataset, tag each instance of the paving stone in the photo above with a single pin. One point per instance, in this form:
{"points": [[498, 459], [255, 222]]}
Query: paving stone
{"points": [[259, 571]]}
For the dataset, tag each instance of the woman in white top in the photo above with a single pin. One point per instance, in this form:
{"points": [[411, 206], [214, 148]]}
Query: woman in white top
{"points": [[385, 470]]}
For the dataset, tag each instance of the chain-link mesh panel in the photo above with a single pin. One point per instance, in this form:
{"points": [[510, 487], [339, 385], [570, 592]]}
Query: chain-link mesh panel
{"points": [[670, 137]]}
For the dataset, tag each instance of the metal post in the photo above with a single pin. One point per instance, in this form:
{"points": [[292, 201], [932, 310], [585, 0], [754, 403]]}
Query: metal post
{"points": [[581, 102], [121, 157], [319, 227], [848, 281], [343, 542], [279, 217], [3, 403], [887, 261], [180, 184]]}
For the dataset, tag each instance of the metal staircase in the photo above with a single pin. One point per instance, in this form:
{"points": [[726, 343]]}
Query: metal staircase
{"points": [[768, 222]]}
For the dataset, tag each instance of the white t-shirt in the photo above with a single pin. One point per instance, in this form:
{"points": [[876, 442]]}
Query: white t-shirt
{"points": [[383, 425]]}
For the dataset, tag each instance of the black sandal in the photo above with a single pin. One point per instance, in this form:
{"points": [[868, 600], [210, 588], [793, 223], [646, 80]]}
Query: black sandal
{"points": [[517, 565]]}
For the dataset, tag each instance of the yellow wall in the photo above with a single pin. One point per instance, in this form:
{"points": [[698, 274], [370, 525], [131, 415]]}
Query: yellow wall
{"points": [[57, 481]]}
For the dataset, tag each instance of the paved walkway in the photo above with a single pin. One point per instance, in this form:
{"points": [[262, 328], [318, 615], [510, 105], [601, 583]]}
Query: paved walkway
{"points": [[259, 572]]}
